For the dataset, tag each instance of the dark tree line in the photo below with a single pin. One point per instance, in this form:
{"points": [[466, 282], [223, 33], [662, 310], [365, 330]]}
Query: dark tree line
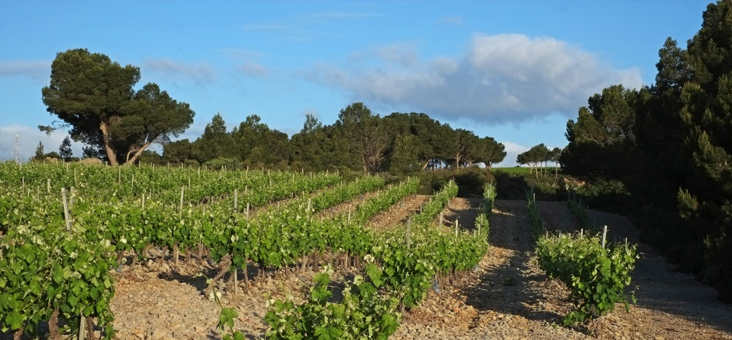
{"points": [[670, 144], [358, 140]]}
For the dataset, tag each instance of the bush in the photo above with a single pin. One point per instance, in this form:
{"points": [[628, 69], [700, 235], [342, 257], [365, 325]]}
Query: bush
{"points": [[596, 276], [470, 180]]}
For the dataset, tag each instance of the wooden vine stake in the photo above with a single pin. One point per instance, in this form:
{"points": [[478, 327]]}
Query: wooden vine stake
{"points": [[604, 235], [67, 217], [180, 215], [82, 329], [456, 227], [236, 285], [236, 197], [48, 185], [409, 233], [180, 208]]}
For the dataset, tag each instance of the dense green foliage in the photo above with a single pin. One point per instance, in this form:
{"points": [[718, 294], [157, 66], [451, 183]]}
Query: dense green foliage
{"points": [[124, 210], [95, 98], [364, 313], [108, 216], [405, 261], [670, 147], [359, 140], [596, 276], [538, 155]]}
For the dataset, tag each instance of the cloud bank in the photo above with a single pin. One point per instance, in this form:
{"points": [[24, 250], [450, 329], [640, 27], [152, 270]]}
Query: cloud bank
{"points": [[505, 78], [36, 70], [198, 74], [28, 139]]}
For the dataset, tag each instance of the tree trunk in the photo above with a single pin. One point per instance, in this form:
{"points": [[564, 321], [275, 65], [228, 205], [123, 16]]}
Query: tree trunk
{"points": [[425, 165], [108, 143], [137, 154]]}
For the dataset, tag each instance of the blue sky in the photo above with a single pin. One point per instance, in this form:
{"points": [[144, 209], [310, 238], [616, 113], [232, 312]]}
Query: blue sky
{"points": [[512, 70]]}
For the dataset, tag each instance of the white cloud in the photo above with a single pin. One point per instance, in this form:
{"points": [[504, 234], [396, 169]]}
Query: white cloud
{"points": [[514, 147], [402, 54], [36, 70], [512, 151], [506, 78], [28, 139], [253, 69], [180, 73]]}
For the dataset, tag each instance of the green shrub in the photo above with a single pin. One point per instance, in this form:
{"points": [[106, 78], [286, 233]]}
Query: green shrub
{"points": [[596, 276]]}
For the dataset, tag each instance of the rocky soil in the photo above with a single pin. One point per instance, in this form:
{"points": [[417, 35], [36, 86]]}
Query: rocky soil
{"points": [[506, 297]]}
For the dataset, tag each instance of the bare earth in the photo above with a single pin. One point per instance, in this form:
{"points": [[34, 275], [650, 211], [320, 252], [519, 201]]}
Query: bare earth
{"points": [[506, 297]]}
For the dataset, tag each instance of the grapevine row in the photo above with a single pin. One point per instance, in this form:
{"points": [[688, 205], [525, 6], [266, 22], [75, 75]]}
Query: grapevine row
{"points": [[596, 274]]}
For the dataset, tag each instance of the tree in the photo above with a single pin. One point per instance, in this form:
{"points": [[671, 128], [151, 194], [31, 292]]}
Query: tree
{"points": [[433, 140], [705, 200], [256, 144], [214, 143], [150, 157], [554, 157], [462, 144], [65, 149], [671, 146], [95, 98], [603, 135], [178, 152], [486, 150], [534, 157], [307, 145], [39, 155], [405, 155], [366, 134]]}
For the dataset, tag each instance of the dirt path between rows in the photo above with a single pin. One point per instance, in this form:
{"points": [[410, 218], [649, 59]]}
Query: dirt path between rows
{"points": [[398, 213], [506, 297], [671, 304], [509, 297]]}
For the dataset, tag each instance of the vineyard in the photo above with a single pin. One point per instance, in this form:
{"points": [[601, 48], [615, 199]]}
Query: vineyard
{"points": [[76, 225], [158, 253]]}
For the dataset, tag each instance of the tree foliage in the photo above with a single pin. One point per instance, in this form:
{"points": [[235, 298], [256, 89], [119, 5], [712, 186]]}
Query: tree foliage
{"points": [[365, 134], [94, 96], [65, 149], [671, 146]]}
